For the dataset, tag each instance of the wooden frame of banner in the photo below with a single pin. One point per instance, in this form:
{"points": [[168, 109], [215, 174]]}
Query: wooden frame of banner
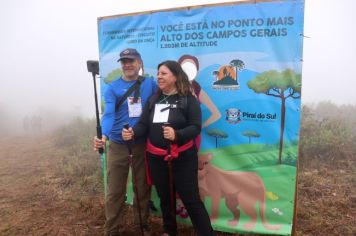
{"points": [[294, 226]]}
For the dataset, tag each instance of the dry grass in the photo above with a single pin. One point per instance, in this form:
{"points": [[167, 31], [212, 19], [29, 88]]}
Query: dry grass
{"points": [[326, 201], [49, 187], [327, 198]]}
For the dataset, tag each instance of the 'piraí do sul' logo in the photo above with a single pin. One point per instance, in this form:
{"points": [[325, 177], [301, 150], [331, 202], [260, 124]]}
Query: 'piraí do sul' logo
{"points": [[233, 115]]}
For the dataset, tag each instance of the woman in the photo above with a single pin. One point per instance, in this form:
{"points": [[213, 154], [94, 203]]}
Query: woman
{"points": [[184, 126]]}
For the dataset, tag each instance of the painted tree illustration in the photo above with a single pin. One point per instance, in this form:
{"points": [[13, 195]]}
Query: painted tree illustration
{"points": [[216, 133], [238, 65], [146, 75], [113, 75], [251, 134], [282, 85]]}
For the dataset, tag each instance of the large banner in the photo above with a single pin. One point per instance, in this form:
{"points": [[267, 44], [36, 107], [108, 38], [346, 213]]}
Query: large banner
{"points": [[245, 59]]}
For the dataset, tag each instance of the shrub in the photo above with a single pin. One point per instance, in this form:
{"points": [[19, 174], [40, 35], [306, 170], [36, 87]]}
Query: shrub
{"points": [[325, 136], [80, 164]]}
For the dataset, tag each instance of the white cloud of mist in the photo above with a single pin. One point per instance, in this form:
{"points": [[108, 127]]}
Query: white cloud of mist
{"points": [[329, 68]]}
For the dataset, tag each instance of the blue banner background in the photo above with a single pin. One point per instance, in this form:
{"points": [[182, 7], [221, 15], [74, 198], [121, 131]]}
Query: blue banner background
{"points": [[265, 36]]}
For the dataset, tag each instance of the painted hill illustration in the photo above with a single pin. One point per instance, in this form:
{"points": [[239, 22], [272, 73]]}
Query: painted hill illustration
{"points": [[226, 81]]}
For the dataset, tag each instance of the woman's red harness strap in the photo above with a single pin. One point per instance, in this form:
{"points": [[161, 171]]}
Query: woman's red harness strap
{"points": [[175, 150]]}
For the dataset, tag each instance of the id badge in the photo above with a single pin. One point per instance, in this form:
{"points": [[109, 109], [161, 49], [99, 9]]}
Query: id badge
{"points": [[135, 109], [161, 114]]}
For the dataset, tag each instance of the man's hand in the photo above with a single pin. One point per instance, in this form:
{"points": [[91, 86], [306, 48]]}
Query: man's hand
{"points": [[97, 143], [127, 134]]}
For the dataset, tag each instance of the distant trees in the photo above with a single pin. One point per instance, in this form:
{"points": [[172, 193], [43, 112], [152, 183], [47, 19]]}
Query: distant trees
{"points": [[5, 120], [327, 137]]}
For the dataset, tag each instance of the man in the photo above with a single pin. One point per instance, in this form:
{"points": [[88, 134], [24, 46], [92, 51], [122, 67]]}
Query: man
{"points": [[114, 118]]}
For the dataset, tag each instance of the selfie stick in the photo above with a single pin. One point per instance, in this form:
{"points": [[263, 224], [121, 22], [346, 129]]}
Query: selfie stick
{"points": [[93, 67], [129, 148]]}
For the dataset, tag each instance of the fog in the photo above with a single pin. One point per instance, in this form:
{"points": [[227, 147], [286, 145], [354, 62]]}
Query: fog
{"points": [[45, 44]]}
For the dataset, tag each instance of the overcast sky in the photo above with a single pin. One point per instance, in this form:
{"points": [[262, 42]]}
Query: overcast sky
{"points": [[45, 44]]}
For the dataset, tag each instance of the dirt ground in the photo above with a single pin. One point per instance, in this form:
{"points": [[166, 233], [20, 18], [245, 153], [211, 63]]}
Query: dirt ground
{"points": [[33, 199]]}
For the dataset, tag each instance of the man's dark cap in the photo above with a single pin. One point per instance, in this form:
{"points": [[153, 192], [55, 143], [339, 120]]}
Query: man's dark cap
{"points": [[130, 53]]}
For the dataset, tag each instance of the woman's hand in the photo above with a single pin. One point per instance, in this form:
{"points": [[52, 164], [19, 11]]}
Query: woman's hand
{"points": [[127, 134], [99, 143], [169, 133]]}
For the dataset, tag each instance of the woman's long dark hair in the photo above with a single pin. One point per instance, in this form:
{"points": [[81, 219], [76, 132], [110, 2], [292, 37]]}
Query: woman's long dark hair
{"points": [[184, 88]]}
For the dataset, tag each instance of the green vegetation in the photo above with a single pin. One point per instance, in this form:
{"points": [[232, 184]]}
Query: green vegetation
{"points": [[328, 132], [327, 167], [327, 154], [80, 164]]}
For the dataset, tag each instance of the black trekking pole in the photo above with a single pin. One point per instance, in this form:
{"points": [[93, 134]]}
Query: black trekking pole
{"points": [[93, 67], [170, 179], [129, 148]]}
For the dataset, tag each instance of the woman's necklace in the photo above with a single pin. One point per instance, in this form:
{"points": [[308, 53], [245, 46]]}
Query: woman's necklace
{"points": [[165, 97]]}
